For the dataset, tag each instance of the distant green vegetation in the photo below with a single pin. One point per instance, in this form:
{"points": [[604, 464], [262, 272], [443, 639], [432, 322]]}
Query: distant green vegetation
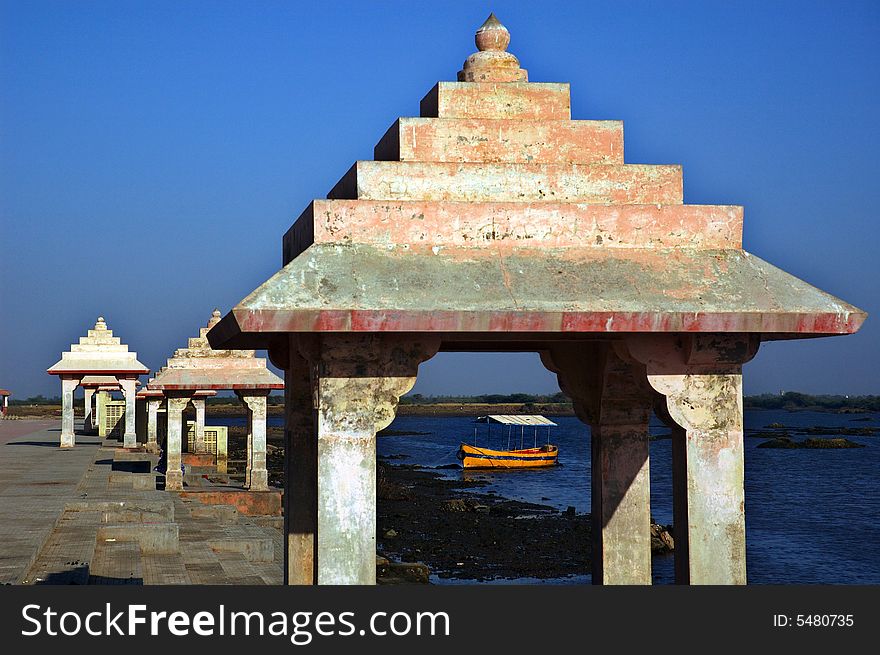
{"points": [[35, 400], [790, 400], [487, 399], [795, 400]]}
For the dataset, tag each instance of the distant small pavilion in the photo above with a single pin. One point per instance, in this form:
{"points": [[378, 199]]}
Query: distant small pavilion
{"points": [[98, 354], [197, 371], [4, 394], [494, 222]]}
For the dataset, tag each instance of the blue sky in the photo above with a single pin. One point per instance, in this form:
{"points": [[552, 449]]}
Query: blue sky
{"points": [[152, 154]]}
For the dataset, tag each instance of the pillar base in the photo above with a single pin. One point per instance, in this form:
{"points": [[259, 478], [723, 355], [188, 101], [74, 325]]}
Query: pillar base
{"points": [[174, 481], [259, 480], [129, 440], [68, 440]]}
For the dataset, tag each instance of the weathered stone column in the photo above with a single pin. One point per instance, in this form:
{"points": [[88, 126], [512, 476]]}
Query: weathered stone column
{"points": [[701, 379], [258, 480], [358, 380], [222, 451], [174, 443], [199, 428], [68, 386], [249, 448], [300, 469], [153, 424], [100, 408], [129, 390], [88, 395], [612, 396]]}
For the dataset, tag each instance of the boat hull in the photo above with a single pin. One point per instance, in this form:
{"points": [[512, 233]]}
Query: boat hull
{"points": [[473, 457]]}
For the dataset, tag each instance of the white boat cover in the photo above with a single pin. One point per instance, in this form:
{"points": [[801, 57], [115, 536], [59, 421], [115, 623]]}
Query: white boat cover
{"points": [[519, 419]]}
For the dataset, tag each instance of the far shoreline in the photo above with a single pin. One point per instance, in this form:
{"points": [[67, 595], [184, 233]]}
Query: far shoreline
{"points": [[443, 409]]}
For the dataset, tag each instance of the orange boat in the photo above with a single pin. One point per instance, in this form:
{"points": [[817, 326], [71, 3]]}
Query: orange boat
{"points": [[473, 457], [477, 457]]}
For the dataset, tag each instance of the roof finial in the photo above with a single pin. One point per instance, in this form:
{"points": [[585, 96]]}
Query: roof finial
{"points": [[100, 325], [215, 318], [492, 63], [492, 35]]}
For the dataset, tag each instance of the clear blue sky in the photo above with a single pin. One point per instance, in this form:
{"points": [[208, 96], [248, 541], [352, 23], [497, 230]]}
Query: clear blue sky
{"points": [[152, 154]]}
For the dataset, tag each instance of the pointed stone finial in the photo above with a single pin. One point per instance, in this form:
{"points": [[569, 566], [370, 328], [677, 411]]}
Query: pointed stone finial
{"points": [[100, 325], [492, 62], [215, 318], [492, 35]]}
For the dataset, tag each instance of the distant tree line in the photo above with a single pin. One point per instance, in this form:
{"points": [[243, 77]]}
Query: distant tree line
{"points": [[35, 400], [795, 400], [486, 399], [787, 400]]}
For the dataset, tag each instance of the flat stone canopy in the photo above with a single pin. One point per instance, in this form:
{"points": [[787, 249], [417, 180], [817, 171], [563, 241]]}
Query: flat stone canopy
{"points": [[99, 353], [495, 212], [198, 367]]}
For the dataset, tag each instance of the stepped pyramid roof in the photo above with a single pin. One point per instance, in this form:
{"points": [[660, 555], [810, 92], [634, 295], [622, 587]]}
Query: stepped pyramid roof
{"points": [[495, 212], [200, 368], [99, 354]]}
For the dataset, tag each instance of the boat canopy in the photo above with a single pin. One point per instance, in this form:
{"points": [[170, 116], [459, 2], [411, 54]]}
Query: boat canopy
{"points": [[518, 419]]}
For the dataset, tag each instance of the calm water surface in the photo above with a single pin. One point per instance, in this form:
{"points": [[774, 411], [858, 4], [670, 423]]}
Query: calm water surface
{"points": [[812, 516]]}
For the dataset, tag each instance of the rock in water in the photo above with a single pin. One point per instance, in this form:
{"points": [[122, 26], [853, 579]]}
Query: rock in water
{"points": [[401, 572], [661, 539], [779, 442]]}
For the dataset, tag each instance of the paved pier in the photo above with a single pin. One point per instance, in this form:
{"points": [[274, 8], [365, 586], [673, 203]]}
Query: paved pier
{"points": [[92, 515], [37, 479]]}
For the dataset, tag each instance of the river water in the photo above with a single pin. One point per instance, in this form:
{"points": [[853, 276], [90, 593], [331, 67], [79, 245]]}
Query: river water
{"points": [[812, 516]]}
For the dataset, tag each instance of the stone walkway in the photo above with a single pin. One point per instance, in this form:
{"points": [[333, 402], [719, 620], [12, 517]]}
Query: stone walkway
{"points": [[92, 515]]}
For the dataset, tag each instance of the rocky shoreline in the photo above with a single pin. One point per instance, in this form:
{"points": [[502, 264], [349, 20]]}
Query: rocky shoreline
{"points": [[428, 524], [461, 533]]}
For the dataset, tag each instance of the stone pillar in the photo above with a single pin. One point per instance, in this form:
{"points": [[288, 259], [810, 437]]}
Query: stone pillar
{"points": [[88, 396], [249, 448], [100, 409], [199, 428], [153, 424], [174, 442], [258, 478], [358, 380], [613, 397], [222, 450], [68, 386], [129, 390], [300, 470], [701, 380]]}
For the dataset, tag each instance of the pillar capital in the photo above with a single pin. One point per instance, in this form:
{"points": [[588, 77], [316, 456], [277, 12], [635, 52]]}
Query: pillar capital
{"points": [[689, 353], [177, 403], [605, 388], [376, 369]]}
